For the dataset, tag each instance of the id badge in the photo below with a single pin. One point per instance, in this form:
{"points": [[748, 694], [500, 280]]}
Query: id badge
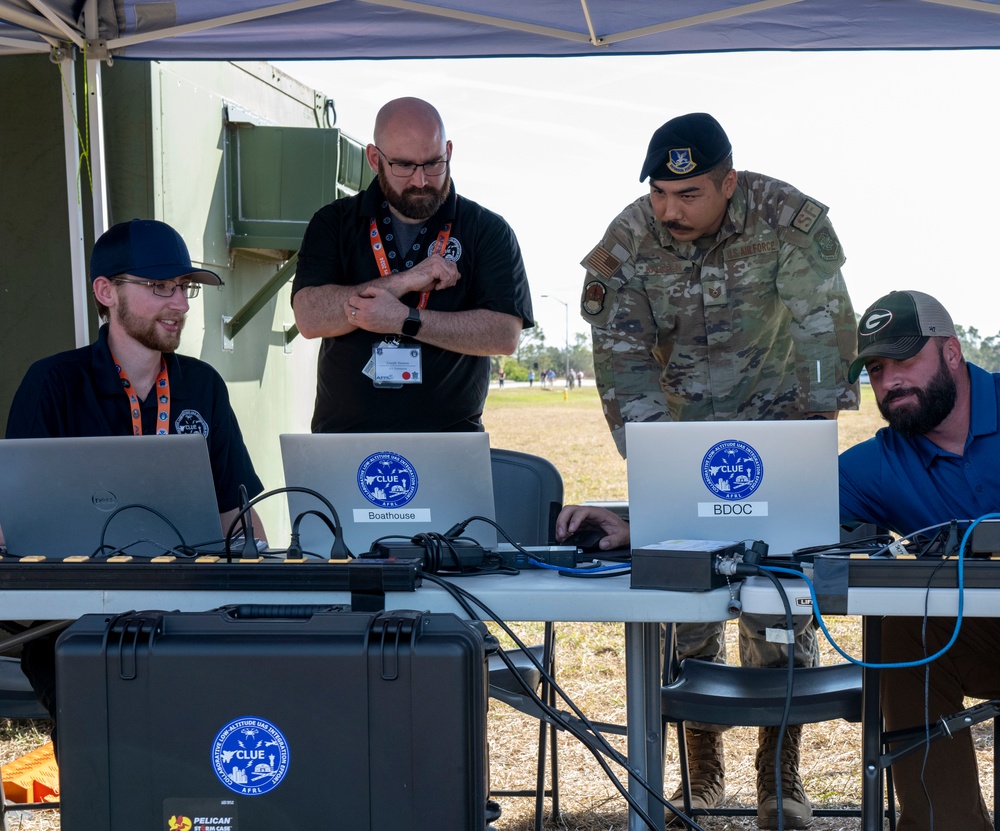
{"points": [[396, 364]]}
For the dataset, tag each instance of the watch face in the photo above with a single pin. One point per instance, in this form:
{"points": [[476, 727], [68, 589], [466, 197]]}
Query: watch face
{"points": [[412, 323]]}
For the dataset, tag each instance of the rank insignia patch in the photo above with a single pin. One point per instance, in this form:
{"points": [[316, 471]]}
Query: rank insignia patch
{"points": [[715, 292]]}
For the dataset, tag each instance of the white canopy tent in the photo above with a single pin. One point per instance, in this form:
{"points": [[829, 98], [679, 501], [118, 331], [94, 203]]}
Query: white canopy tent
{"points": [[102, 30]]}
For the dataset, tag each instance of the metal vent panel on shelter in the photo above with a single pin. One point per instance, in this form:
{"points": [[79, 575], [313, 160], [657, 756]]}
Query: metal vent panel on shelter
{"points": [[279, 176]]}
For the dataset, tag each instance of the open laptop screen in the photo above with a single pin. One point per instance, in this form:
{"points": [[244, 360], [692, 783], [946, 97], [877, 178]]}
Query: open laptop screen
{"points": [[57, 494], [774, 481], [389, 484]]}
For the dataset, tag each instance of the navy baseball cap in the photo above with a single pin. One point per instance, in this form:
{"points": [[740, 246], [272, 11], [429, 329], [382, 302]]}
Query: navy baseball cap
{"points": [[148, 249], [686, 146], [897, 326]]}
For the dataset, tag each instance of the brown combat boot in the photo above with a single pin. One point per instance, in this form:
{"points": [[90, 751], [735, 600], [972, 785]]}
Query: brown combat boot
{"points": [[794, 802], [706, 770]]}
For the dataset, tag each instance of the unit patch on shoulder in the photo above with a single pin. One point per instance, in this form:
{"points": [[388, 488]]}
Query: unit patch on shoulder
{"points": [[807, 216], [593, 297], [827, 244], [602, 262]]}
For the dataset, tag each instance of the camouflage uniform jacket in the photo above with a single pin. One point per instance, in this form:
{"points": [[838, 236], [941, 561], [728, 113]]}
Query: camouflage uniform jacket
{"points": [[757, 324]]}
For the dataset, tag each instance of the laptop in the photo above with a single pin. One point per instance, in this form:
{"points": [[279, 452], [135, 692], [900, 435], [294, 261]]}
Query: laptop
{"points": [[57, 495], [389, 484], [774, 481]]}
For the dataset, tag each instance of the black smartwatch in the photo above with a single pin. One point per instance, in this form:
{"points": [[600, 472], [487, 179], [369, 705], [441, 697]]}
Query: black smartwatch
{"points": [[412, 323]]}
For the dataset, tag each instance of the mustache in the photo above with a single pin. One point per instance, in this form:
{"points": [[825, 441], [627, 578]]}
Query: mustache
{"points": [[892, 395], [678, 226], [426, 190]]}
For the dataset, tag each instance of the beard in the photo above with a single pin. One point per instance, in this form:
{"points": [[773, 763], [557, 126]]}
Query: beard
{"points": [[934, 403], [145, 331], [413, 202]]}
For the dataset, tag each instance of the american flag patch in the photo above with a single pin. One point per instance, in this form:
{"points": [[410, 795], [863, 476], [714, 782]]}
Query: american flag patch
{"points": [[603, 262]]}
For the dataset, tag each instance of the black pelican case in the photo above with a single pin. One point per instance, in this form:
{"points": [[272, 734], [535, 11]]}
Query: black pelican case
{"points": [[268, 718]]}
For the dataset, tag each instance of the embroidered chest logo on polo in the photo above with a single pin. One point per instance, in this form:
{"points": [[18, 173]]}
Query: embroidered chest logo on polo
{"points": [[191, 421], [452, 250]]}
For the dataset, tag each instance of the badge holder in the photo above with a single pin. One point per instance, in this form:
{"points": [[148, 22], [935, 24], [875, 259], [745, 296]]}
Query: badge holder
{"points": [[393, 364]]}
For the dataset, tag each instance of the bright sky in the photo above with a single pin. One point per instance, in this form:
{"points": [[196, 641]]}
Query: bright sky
{"points": [[902, 147]]}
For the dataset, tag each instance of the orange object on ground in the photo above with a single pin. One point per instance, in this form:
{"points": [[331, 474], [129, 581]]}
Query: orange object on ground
{"points": [[32, 778]]}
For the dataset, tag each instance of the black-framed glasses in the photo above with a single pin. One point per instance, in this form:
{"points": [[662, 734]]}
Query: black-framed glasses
{"points": [[404, 169], [165, 288]]}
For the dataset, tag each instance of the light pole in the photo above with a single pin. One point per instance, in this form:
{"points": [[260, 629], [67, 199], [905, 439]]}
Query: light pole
{"points": [[566, 306]]}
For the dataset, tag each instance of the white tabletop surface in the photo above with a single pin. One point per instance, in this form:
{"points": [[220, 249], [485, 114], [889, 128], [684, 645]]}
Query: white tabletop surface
{"points": [[758, 595], [532, 595]]}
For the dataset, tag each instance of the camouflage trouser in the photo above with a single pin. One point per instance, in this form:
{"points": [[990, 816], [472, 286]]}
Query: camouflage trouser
{"points": [[706, 642]]}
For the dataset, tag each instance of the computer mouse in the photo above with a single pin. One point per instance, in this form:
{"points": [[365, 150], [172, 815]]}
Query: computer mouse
{"points": [[586, 539]]}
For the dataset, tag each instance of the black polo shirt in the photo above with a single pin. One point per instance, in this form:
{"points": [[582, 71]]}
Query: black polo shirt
{"points": [[337, 250], [79, 393]]}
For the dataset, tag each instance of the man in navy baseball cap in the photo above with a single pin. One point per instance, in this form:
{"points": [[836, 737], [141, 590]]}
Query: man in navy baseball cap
{"points": [[148, 249], [132, 381]]}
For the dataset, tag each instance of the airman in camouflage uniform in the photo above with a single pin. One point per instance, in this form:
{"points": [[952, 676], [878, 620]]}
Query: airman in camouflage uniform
{"points": [[744, 316]]}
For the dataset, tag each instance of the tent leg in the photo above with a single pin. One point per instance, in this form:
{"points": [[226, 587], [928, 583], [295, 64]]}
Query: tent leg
{"points": [[74, 207]]}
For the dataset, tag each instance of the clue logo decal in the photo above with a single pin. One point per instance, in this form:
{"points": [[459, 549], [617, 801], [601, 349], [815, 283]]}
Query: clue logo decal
{"points": [[732, 469], [250, 756], [387, 479]]}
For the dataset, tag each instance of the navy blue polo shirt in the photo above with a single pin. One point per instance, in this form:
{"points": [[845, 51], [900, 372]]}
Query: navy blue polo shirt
{"points": [[79, 393], [909, 484], [336, 249]]}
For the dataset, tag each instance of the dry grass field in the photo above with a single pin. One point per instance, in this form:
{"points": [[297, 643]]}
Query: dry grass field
{"points": [[570, 431]]}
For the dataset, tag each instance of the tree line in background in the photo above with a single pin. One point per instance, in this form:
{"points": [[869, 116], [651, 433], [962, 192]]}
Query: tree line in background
{"points": [[536, 354], [983, 352]]}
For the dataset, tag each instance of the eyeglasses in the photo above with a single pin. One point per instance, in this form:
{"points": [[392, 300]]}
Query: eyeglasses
{"points": [[165, 288], [405, 169]]}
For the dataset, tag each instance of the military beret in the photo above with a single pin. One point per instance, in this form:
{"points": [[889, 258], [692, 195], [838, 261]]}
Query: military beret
{"points": [[686, 146]]}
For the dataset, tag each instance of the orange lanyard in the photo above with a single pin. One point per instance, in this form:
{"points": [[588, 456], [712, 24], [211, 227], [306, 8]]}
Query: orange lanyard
{"points": [[162, 391], [382, 261]]}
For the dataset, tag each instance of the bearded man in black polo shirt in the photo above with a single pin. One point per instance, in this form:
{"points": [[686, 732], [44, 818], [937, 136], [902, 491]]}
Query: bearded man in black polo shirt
{"points": [[130, 381], [411, 287]]}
